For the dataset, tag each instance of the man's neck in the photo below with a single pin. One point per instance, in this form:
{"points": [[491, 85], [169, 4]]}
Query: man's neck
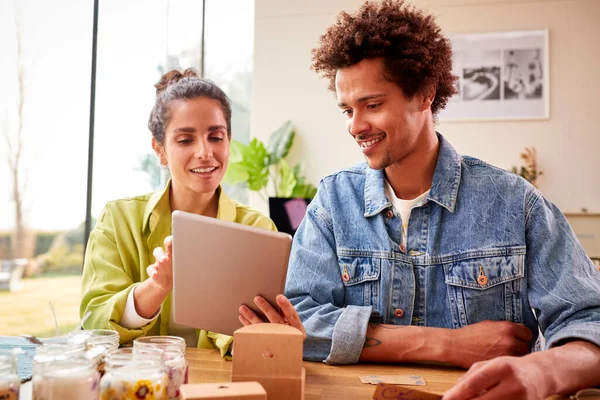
{"points": [[412, 176]]}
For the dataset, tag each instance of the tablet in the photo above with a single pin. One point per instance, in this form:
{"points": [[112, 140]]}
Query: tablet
{"points": [[220, 265]]}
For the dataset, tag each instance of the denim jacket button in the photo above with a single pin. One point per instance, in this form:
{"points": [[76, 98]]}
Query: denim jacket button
{"points": [[482, 280], [399, 313], [403, 248], [345, 277], [389, 213]]}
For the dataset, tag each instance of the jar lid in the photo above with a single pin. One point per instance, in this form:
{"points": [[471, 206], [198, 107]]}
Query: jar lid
{"points": [[166, 343]]}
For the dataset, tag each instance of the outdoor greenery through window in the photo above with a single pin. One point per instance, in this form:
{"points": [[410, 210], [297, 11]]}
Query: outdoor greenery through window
{"points": [[46, 50]]}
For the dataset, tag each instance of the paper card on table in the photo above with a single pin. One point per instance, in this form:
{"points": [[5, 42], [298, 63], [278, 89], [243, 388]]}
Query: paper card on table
{"points": [[393, 379], [385, 391]]}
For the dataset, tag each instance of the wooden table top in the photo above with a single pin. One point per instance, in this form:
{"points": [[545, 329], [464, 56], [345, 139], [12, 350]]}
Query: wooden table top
{"points": [[325, 381]]}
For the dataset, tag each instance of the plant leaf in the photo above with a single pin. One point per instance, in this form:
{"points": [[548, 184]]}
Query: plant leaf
{"points": [[298, 169], [237, 151], [248, 164], [304, 190], [280, 142], [255, 163], [287, 180], [235, 174]]}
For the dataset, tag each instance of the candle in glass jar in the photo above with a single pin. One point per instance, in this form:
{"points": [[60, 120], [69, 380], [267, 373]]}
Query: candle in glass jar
{"points": [[99, 342], [130, 376], [72, 379], [9, 380], [173, 348]]}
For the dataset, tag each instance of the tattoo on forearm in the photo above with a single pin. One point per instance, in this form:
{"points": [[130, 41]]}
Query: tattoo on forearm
{"points": [[374, 325], [371, 342]]}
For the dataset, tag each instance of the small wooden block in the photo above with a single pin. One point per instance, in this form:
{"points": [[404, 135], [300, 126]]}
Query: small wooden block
{"points": [[226, 390], [270, 354], [278, 388]]}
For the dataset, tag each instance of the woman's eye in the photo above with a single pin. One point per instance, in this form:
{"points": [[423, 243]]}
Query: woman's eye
{"points": [[184, 141], [215, 138]]}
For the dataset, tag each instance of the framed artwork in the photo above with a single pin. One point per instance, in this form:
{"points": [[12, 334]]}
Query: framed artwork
{"points": [[502, 75]]}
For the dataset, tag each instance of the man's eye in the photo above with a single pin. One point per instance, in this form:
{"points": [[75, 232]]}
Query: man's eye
{"points": [[347, 112], [372, 106]]}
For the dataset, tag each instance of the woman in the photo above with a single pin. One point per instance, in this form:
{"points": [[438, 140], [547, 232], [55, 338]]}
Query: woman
{"points": [[127, 275]]}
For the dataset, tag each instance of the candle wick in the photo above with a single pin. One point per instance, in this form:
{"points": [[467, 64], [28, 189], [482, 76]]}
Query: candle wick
{"points": [[80, 324], [55, 320]]}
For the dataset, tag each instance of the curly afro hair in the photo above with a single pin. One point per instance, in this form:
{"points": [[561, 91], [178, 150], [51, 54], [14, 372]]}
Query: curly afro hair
{"points": [[416, 54]]}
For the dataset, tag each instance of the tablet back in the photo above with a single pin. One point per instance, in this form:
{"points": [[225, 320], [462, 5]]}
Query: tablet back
{"points": [[220, 265]]}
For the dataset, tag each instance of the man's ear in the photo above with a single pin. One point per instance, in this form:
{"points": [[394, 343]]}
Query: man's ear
{"points": [[160, 152], [428, 98]]}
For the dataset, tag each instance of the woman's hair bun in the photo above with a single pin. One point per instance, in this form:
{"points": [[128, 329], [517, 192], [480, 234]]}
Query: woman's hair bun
{"points": [[172, 77]]}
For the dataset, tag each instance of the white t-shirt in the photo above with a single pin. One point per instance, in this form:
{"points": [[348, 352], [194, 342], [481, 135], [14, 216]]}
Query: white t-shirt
{"points": [[404, 207]]}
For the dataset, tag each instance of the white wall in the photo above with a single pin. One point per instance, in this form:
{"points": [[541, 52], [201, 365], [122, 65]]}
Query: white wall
{"points": [[568, 144]]}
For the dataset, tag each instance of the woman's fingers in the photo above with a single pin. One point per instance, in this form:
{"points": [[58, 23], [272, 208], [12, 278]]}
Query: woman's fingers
{"points": [[290, 313], [151, 270], [270, 312], [161, 271], [244, 321], [158, 252], [169, 245], [248, 315]]}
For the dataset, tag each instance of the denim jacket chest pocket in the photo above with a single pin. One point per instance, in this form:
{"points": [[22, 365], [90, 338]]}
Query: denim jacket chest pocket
{"points": [[360, 277], [486, 285]]}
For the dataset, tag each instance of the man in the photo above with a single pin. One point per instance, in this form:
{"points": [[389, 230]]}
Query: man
{"points": [[425, 255]]}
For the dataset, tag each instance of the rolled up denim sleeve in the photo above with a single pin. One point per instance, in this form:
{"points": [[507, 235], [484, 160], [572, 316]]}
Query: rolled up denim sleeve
{"points": [[335, 333], [564, 284]]}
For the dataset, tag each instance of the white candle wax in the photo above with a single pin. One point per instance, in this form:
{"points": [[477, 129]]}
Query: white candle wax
{"points": [[66, 385]]}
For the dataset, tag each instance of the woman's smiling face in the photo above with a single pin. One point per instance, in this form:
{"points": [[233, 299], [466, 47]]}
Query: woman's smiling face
{"points": [[196, 145]]}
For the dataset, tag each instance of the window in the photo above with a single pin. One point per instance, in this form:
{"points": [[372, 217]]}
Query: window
{"points": [[46, 61], [228, 58], [134, 49]]}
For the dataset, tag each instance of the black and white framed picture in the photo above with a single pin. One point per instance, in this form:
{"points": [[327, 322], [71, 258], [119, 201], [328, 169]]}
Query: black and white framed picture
{"points": [[502, 75]]}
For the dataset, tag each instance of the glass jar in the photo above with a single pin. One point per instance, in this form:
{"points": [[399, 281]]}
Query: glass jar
{"points": [[99, 342], [68, 379], [58, 348], [176, 365], [133, 376], [9, 380]]}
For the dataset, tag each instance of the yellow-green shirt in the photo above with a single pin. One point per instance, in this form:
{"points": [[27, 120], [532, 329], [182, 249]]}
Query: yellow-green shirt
{"points": [[120, 249]]}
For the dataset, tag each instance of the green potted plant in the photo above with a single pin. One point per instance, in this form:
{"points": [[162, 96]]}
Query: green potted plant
{"points": [[263, 169]]}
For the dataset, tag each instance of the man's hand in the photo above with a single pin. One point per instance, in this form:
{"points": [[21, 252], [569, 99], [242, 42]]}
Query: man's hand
{"points": [[487, 340], [161, 272], [502, 378], [564, 369], [288, 315]]}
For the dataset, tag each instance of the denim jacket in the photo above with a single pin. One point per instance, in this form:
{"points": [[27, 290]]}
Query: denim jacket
{"points": [[485, 245]]}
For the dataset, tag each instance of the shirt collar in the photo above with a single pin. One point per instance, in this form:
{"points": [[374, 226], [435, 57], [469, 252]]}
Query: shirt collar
{"points": [[446, 177], [444, 187], [227, 209], [159, 206]]}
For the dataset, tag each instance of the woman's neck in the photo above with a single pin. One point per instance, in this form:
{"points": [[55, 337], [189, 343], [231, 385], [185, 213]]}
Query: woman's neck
{"points": [[206, 204]]}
